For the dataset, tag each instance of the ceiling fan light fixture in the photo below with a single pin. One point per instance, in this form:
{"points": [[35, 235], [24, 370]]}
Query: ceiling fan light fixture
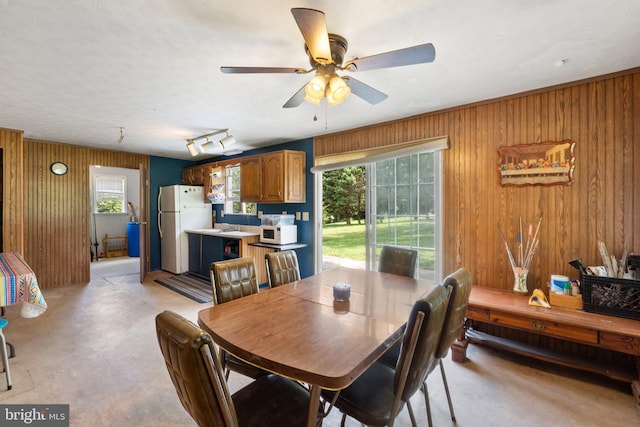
{"points": [[316, 87], [338, 90]]}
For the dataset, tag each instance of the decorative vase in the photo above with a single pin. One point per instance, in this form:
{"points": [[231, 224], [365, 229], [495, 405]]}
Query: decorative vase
{"points": [[520, 280]]}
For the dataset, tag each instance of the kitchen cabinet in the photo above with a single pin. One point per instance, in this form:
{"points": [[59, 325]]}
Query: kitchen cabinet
{"points": [[194, 175], [205, 248], [251, 179], [275, 177]]}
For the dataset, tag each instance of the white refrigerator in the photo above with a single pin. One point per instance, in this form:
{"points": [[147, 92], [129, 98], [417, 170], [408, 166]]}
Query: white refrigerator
{"points": [[180, 208]]}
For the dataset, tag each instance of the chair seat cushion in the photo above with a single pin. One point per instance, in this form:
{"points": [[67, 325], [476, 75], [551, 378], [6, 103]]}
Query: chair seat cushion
{"points": [[272, 401], [370, 397]]}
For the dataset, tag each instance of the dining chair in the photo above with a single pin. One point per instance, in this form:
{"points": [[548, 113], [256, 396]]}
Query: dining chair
{"points": [[380, 393], [459, 285], [282, 267], [400, 261], [5, 358], [233, 279], [196, 372]]}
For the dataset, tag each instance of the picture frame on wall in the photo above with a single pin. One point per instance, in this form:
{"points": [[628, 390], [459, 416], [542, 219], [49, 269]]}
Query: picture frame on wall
{"points": [[542, 163]]}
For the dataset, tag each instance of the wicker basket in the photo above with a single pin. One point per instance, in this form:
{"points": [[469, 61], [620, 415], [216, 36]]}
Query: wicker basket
{"points": [[609, 295]]}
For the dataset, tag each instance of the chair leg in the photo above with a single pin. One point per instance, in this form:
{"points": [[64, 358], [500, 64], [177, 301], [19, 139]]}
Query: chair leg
{"points": [[5, 359], [425, 391], [411, 415], [446, 389]]}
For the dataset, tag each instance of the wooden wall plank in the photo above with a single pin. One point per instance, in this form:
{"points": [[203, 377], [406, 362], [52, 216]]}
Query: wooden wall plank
{"points": [[57, 210], [599, 114], [11, 143]]}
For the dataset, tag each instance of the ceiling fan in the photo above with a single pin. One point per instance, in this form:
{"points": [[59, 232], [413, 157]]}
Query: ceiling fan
{"points": [[326, 54]]}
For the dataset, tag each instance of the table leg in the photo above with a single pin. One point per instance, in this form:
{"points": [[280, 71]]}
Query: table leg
{"points": [[314, 406]]}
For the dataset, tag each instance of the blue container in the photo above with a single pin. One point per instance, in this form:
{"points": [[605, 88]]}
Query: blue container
{"points": [[133, 239]]}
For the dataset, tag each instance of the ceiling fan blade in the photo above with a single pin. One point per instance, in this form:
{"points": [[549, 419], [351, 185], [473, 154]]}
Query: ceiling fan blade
{"points": [[313, 27], [254, 70], [420, 54], [296, 99], [364, 91]]}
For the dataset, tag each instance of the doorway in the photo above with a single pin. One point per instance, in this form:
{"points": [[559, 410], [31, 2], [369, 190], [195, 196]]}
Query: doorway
{"points": [[115, 196]]}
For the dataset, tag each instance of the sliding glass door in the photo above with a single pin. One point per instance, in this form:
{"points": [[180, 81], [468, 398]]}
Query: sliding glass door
{"points": [[403, 209]]}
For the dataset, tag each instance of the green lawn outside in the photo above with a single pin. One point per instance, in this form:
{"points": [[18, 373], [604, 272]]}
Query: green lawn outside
{"points": [[348, 241], [344, 241]]}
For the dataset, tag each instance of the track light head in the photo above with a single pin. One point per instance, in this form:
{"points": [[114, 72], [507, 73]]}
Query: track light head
{"points": [[227, 140], [191, 146]]}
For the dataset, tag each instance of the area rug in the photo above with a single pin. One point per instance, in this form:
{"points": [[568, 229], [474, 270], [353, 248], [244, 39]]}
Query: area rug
{"points": [[191, 287]]}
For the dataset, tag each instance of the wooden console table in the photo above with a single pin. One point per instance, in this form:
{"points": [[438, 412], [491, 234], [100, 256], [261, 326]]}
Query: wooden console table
{"points": [[510, 310]]}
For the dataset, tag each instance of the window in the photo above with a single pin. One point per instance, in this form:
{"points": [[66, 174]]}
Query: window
{"points": [[403, 208], [110, 194], [233, 205]]}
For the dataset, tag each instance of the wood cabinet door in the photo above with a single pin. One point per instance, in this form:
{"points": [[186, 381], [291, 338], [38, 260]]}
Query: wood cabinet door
{"points": [[193, 175], [187, 176], [295, 176], [273, 177], [198, 175], [251, 179]]}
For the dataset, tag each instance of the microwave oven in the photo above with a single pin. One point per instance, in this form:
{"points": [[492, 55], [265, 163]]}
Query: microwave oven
{"points": [[279, 234]]}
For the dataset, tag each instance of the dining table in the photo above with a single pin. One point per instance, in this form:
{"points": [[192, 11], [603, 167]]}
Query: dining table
{"points": [[299, 331], [18, 283]]}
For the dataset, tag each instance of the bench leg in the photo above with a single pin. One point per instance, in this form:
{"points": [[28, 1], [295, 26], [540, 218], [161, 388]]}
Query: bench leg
{"points": [[459, 346]]}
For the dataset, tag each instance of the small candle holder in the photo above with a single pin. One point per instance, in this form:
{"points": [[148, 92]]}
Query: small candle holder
{"points": [[341, 291]]}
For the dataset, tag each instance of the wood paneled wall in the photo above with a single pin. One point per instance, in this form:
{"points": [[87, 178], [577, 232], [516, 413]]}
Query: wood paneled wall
{"points": [[57, 209], [601, 115], [11, 143]]}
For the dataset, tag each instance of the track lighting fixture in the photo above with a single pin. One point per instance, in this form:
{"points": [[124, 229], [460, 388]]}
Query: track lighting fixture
{"points": [[210, 146]]}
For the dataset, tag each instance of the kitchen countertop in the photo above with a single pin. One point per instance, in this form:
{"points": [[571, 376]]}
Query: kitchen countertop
{"points": [[223, 233], [279, 247]]}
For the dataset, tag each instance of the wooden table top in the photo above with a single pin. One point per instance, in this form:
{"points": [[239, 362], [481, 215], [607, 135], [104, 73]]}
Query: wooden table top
{"points": [[299, 331], [510, 302]]}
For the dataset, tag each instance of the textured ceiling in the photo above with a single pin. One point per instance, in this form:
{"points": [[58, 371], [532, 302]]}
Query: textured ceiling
{"points": [[76, 71]]}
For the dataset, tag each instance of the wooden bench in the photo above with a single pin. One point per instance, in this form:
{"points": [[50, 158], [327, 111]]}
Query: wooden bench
{"points": [[511, 310]]}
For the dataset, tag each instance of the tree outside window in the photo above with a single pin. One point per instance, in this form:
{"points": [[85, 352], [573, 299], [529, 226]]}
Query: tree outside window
{"points": [[233, 205], [110, 194]]}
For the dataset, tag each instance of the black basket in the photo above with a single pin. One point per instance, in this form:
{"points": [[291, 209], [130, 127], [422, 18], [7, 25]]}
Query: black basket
{"points": [[612, 296]]}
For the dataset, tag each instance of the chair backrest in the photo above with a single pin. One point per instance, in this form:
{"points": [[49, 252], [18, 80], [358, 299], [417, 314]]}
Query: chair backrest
{"points": [[234, 278], [398, 261], [420, 340], [282, 267], [195, 369], [459, 284]]}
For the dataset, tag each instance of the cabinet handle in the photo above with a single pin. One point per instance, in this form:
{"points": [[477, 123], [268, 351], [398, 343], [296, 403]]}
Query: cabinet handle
{"points": [[538, 325]]}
